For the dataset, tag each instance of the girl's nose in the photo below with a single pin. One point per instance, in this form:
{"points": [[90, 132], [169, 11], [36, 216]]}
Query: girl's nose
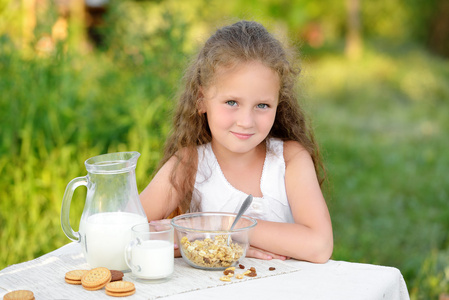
{"points": [[245, 118]]}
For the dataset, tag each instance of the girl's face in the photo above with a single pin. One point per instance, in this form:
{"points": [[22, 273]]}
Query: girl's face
{"points": [[241, 106]]}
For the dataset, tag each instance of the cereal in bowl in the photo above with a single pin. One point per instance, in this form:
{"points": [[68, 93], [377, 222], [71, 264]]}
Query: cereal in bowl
{"points": [[212, 253]]}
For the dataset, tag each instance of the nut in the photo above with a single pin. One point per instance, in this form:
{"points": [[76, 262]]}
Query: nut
{"points": [[252, 274], [225, 278]]}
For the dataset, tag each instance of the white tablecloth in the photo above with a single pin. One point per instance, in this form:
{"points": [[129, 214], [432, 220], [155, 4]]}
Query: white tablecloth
{"points": [[291, 279]]}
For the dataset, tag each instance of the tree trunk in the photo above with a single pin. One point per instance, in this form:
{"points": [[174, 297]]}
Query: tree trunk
{"points": [[28, 22], [439, 29], [353, 47]]}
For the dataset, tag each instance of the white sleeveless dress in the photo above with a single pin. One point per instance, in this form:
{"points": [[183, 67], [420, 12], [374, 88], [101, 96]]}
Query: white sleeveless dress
{"points": [[216, 194]]}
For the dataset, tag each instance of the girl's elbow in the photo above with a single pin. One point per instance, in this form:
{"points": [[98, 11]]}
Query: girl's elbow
{"points": [[323, 252], [322, 257]]}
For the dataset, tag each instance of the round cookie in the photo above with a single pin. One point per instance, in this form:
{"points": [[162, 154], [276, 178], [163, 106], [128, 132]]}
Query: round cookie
{"points": [[74, 276], [96, 279], [19, 295], [124, 294], [120, 288]]}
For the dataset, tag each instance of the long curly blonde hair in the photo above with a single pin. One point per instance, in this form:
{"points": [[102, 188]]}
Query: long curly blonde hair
{"points": [[238, 43]]}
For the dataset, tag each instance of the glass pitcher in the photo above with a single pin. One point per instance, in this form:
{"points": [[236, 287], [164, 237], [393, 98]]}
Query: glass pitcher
{"points": [[112, 207]]}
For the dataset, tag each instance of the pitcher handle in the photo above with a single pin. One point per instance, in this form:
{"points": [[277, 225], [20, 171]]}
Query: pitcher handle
{"points": [[65, 209]]}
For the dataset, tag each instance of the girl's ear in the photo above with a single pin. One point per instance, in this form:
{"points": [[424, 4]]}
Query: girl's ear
{"points": [[200, 105]]}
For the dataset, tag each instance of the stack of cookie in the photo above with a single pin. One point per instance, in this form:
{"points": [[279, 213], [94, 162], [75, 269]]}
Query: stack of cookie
{"points": [[98, 278]]}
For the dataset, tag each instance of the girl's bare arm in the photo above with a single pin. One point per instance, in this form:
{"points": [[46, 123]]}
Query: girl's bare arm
{"points": [[310, 238], [159, 199]]}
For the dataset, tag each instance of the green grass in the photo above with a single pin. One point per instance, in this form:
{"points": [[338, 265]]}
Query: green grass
{"points": [[381, 122]]}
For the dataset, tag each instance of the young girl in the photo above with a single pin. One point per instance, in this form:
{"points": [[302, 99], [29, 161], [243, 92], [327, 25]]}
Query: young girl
{"points": [[238, 130]]}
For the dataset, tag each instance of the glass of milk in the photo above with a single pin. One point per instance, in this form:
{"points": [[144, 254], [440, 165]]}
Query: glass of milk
{"points": [[150, 255]]}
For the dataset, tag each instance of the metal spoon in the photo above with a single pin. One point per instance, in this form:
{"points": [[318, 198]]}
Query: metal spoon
{"points": [[242, 210]]}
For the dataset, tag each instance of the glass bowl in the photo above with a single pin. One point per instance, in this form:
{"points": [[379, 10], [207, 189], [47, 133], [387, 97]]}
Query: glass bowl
{"points": [[203, 239]]}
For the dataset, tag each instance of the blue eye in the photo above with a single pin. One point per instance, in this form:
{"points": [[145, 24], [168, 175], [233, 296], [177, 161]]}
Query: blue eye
{"points": [[262, 105], [231, 103]]}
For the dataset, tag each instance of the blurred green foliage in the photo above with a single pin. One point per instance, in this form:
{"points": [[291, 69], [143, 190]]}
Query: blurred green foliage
{"points": [[381, 120], [383, 137]]}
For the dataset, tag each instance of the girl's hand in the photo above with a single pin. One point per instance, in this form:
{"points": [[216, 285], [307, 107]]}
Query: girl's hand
{"points": [[262, 254], [165, 222]]}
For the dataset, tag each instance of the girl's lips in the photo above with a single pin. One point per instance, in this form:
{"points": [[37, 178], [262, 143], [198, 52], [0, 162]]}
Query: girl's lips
{"points": [[242, 136]]}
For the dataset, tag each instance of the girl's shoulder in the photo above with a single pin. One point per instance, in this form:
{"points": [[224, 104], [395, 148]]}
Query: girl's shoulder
{"points": [[293, 150]]}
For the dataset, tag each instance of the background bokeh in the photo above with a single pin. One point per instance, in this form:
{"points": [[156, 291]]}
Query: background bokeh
{"points": [[81, 79]]}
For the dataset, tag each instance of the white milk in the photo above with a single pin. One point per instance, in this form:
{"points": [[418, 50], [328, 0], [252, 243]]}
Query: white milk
{"points": [[106, 236], [154, 257]]}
